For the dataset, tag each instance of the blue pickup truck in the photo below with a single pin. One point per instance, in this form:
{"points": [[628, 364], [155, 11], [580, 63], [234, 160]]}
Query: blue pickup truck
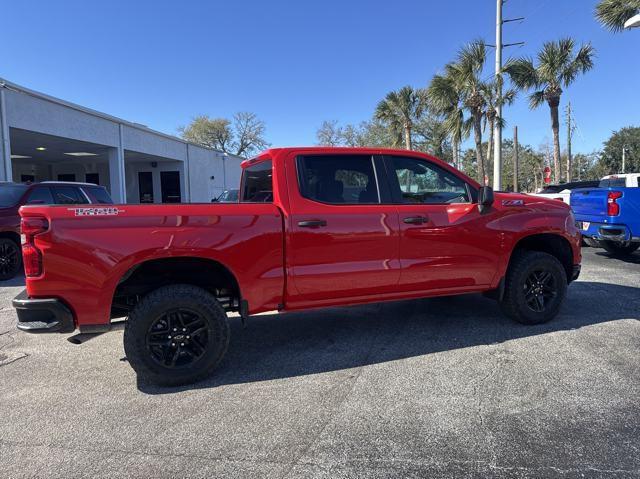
{"points": [[609, 216]]}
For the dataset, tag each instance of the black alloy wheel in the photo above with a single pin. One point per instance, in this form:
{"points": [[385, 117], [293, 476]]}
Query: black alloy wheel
{"points": [[177, 338], [10, 258], [539, 290]]}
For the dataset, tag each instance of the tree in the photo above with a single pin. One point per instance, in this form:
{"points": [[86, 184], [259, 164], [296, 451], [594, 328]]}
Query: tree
{"points": [[399, 111], [494, 99], [431, 136], [557, 67], [611, 157], [244, 137], [465, 74], [614, 13], [445, 99], [329, 134]]}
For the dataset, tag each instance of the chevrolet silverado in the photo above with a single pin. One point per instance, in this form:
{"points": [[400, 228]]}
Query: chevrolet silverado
{"points": [[314, 227]]}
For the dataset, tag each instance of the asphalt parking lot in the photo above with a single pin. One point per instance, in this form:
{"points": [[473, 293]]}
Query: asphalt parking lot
{"points": [[431, 388]]}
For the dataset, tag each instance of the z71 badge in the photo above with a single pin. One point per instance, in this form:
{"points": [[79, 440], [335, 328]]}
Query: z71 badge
{"points": [[103, 211], [512, 202]]}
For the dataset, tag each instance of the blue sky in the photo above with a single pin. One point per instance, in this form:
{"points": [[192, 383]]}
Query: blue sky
{"points": [[297, 63]]}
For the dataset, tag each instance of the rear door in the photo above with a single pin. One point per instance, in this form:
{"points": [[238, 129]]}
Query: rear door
{"points": [[343, 235], [445, 243]]}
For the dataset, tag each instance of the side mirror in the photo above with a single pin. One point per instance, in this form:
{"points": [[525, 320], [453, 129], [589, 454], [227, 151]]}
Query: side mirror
{"points": [[485, 198]]}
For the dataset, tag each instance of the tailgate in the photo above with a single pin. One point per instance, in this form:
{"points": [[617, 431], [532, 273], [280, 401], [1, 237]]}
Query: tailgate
{"points": [[589, 203]]}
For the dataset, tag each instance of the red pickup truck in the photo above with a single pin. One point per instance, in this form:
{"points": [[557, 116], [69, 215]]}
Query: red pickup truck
{"points": [[314, 227]]}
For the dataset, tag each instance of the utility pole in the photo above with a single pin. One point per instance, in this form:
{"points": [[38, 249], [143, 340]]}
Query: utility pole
{"points": [[515, 159], [497, 134], [624, 157], [570, 128]]}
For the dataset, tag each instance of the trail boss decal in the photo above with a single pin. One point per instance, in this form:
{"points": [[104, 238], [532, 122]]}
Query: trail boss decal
{"points": [[96, 211], [512, 202]]}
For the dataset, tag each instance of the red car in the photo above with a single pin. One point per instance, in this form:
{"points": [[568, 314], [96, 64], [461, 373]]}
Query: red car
{"points": [[14, 195], [315, 227]]}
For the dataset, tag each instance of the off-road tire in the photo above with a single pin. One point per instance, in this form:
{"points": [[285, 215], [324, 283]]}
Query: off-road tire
{"points": [[618, 249], [523, 266], [10, 258], [174, 302]]}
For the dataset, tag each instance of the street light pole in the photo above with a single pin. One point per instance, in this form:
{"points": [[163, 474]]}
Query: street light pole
{"points": [[497, 135]]}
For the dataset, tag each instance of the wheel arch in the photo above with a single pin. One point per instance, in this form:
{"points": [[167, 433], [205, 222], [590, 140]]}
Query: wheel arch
{"points": [[551, 243], [148, 275]]}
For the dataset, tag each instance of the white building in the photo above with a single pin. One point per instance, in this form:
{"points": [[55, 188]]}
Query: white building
{"points": [[44, 138]]}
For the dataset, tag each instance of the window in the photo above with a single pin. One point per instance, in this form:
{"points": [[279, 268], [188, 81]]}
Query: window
{"points": [[40, 196], [92, 178], [11, 194], [98, 195], [419, 181], [338, 179], [613, 182], [67, 177], [68, 195], [257, 184]]}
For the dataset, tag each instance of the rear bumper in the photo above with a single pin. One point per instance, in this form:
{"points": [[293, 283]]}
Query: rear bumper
{"points": [[605, 231], [42, 315]]}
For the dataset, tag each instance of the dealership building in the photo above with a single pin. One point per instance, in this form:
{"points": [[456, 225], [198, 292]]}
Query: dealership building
{"points": [[45, 138]]}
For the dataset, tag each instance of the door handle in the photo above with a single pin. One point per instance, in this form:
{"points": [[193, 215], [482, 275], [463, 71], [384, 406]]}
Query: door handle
{"points": [[312, 223], [415, 220]]}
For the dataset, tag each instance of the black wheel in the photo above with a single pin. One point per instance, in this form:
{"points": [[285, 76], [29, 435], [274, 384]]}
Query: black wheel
{"points": [[535, 287], [619, 249], [176, 335], [10, 258]]}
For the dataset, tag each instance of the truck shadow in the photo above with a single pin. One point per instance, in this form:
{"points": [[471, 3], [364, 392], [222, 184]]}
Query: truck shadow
{"points": [[278, 346], [632, 258]]}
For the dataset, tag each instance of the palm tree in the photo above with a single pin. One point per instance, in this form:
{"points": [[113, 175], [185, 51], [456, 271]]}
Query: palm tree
{"points": [[465, 74], [614, 13], [445, 100], [558, 66], [400, 110], [494, 99]]}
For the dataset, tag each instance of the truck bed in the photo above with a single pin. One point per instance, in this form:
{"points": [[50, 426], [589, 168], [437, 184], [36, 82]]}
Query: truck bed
{"points": [[87, 251]]}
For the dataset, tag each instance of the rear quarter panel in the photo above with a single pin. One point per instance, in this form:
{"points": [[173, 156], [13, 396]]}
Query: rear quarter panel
{"points": [[86, 256]]}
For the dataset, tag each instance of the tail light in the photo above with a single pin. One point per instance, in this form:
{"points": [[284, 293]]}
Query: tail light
{"points": [[31, 226], [613, 208]]}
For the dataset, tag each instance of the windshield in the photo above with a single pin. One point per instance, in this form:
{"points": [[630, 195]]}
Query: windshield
{"points": [[10, 194]]}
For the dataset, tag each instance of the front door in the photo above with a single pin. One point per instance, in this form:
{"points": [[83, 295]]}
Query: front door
{"points": [[343, 241], [445, 242], [145, 187], [170, 186]]}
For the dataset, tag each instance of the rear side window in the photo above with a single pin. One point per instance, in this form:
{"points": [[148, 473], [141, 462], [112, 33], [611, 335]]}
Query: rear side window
{"points": [[98, 195], [68, 195], [40, 195], [338, 179], [257, 183]]}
